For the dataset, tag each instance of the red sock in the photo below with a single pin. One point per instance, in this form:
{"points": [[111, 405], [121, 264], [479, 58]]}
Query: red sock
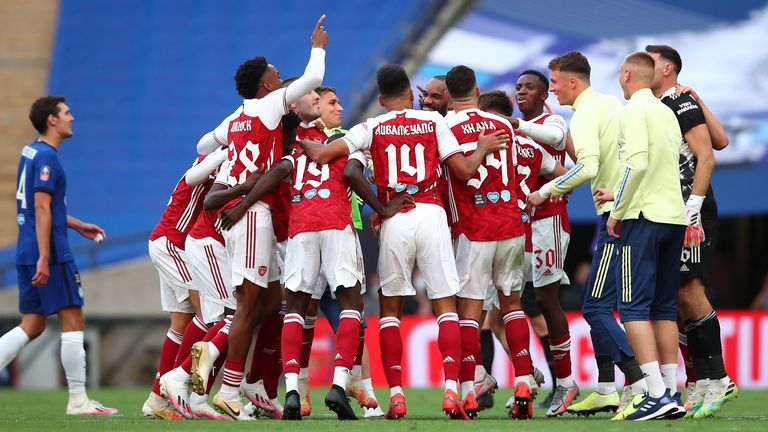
{"points": [[215, 371], [213, 331], [221, 339], [307, 337], [168, 354], [518, 339], [195, 332], [391, 350], [261, 350], [449, 343], [561, 355], [233, 373], [347, 338], [290, 345], [360, 347], [470, 346], [690, 373]]}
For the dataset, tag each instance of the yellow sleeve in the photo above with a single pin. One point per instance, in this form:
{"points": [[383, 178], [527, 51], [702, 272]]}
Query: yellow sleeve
{"points": [[586, 142], [634, 131]]}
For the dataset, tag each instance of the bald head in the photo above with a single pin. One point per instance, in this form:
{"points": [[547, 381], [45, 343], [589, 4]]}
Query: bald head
{"points": [[636, 72]]}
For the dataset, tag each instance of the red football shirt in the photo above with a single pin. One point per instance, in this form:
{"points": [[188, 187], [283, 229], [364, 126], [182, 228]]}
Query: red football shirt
{"points": [[556, 205], [533, 162], [182, 211], [487, 204]]}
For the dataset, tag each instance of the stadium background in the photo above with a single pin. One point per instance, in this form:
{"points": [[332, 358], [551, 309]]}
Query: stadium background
{"points": [[146, 79]]}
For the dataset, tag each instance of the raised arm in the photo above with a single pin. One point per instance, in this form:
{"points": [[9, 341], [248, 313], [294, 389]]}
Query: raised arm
{"points": [[313, 74], [552, 132], [716, 130]]}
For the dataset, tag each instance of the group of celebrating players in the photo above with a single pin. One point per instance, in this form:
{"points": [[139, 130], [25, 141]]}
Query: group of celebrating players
{"points": [[262, 228], [260, 233]]}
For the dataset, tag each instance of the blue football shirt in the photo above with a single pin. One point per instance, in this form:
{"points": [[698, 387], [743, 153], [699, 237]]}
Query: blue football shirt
{"points": [[41, 171]]}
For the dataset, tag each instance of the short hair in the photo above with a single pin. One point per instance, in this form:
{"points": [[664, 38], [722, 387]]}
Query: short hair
{"points": [[42, 108], [640, 58], [325, 89], [538, 75], [248, 77], [572, 61], [496, 100], [460, 81], [439, 77], [392, 80], [667, 53]]}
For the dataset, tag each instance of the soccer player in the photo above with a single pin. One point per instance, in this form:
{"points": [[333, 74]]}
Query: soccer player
{"points": [[434, 96], [48, 280], [594, 127], [490, 246], [406, 147], [254, 136], [712, 386], [649, 205]]}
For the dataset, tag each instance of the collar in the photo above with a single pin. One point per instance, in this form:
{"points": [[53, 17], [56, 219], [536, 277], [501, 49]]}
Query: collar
{"points": [[588, 93], [644, 93]]}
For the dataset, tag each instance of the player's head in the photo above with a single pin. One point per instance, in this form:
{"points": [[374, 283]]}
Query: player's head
{"points": [[290, 123], [668, 66], [394, 85], [531, 92], [50, 114], [435, 96], [496, 102], [256, 78], [330, 107], [462, 84], [569, 76], [636, 72]]}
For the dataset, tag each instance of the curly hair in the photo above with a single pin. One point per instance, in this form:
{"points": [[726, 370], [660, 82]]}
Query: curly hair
{"points": [[248, 76]]}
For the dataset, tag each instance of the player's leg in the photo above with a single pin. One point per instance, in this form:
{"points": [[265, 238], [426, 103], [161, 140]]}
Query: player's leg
{"points": [[391, 349], [307, 339], [33, 317]]}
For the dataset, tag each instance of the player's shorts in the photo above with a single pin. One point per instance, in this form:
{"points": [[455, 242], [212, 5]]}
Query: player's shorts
{"points": [[485, 266], [550, 245], [322, 283], [698, 262], [600, 290], [418, 237], [648, 270], [175, 276], [250, 245], [62, 290], [332, 253], [280, 248], [208, 261]]}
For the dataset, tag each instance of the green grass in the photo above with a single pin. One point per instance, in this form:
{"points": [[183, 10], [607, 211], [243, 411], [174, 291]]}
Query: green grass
{"points": [[44, 411]]}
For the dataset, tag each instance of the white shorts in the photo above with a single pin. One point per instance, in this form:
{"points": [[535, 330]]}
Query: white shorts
{"points": [[492, 295], [485, 266], [550, 244], [210, 275], [280, 248], [175, 277], [322, 283], [419, 237], [250, 245], [331, 253]]}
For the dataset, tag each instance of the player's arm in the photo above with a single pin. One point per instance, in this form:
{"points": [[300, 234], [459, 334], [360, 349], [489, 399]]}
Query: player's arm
{"points": [[701, 145], [569, 148], [462, 167], [635, 133], [201, 172], [208, 143], [552, 132], [87, 230], [43, 233], [315, 70], [264, 185], [324, 154], [220, 194], [716, 131], [354, 177]]}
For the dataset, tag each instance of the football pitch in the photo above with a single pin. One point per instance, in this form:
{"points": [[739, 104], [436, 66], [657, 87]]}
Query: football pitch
{"points": [[43, 410]]}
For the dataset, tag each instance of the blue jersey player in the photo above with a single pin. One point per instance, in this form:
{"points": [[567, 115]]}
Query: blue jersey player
{"points": [[48, 279]]}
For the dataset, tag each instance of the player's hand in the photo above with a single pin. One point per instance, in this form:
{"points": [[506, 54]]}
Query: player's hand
{"points": [[494, 142], [548, 108], [374, 224], [680, 89], [319, 124], [422, 95], [319, 36], [613, 227], [534, 200], [400, 201], [42, 273], [228, 218], [694, 233], [90, 231], [602, 196]]}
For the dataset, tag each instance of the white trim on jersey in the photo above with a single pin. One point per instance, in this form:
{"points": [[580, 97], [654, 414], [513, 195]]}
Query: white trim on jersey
{"points": [[186, 216]]}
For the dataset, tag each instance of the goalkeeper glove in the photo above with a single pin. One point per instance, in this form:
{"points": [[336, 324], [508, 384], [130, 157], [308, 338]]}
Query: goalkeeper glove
{"points": [[694, 234]]}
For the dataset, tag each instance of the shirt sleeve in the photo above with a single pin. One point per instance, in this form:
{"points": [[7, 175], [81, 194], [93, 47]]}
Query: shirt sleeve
{"points": [[548, 163], [688, 112], [359, 137], [358, 156], [47, 172], [310, 80], [201, 172], [219, 135], [552, 132], [586, 141], [447, 145], [223, 176], [634, 131]]}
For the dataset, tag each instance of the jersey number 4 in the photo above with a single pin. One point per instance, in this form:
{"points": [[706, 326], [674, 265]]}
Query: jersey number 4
{"points": [[419, 169], [491, 162], [21, 191]]}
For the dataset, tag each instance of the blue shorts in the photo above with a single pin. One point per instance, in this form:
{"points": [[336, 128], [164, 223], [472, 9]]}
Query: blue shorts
{"points": [[648, 270], [62, 290]]}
